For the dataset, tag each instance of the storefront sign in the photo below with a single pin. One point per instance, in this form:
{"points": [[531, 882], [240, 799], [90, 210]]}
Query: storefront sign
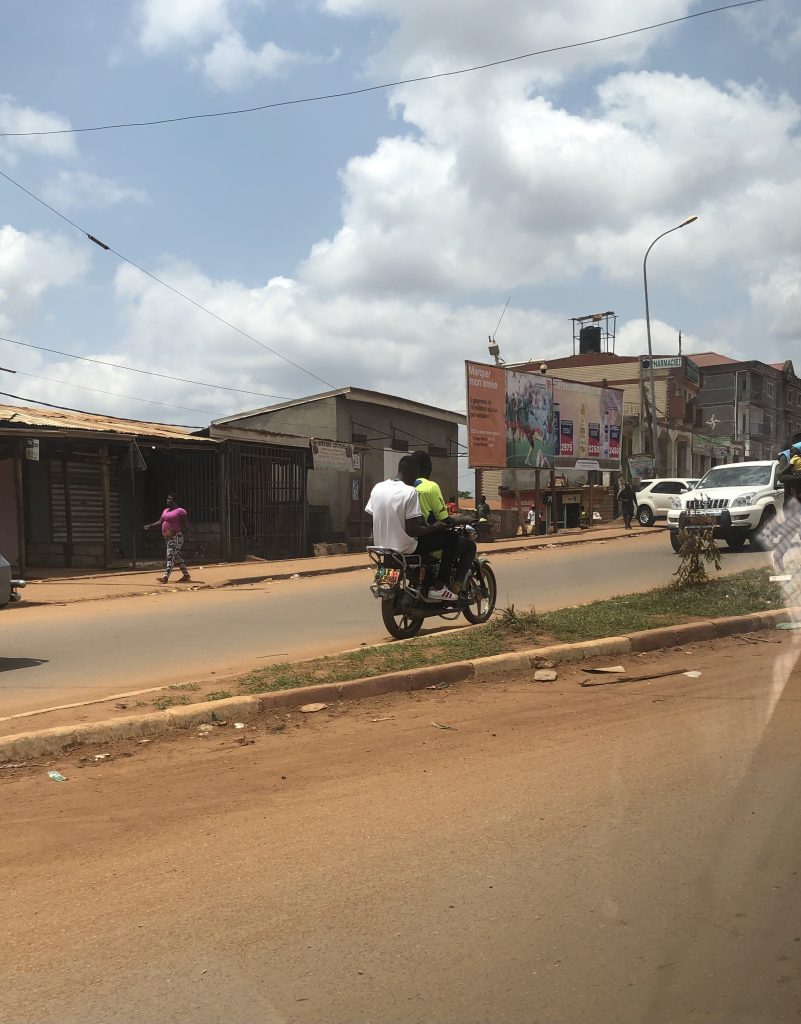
{"points": [[641, 467], [32, 449], [334, 455]]}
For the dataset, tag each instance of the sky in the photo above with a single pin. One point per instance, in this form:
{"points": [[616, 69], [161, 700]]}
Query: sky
{"points": [[373, 240]]}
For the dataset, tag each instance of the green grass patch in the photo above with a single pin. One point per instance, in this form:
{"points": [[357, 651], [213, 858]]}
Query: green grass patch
{"points": [[189, 687], [219, 695], [170, 702], [510, 630]]}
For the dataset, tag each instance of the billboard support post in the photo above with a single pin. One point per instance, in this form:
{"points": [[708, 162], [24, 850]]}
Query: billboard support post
{"points": [[537, 502], [554, 516]]}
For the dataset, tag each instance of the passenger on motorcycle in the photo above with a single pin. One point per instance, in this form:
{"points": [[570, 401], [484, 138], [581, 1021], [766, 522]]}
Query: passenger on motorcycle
{"points": [[398, 523], [434, 510]]}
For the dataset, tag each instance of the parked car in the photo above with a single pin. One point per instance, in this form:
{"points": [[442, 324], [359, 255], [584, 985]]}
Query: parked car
{"points": [[9, 587], [742, 499], [654, 497]]}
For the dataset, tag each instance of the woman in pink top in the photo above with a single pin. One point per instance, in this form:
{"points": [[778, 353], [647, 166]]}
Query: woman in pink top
{"points": [[173, 522]]}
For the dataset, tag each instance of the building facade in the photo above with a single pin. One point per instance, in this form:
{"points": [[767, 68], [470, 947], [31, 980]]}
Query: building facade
{"points": [[381, 428], [757, 403]]}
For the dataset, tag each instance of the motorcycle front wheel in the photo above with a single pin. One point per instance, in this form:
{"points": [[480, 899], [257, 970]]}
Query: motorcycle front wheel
{"points": [[482, 594], [397, 620]]}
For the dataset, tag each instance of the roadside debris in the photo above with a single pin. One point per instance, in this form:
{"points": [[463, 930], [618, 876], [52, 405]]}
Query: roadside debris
{"points": [[543, 663], [691, 675], [239, 725], [205, 728], [101, 757], [309, 709], [614, 670], [439, 686], [295, 576], [789, 625], [56, 776], [545, 675], [636, 679], [780, 579], [388, 718], [439, 725]]}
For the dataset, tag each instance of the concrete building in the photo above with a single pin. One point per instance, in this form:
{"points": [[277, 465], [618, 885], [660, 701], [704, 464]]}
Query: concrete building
{"points": [[757, 403], [379, 427]]}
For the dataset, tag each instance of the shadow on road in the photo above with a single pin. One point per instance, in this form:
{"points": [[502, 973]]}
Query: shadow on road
{"points": [[11, 664]]}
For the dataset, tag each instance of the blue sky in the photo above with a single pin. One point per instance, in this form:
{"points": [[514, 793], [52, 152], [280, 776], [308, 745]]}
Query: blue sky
{"points": [[375, 239]]}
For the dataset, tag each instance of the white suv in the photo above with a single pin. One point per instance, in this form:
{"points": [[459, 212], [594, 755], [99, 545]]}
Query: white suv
{"points": [[742, 499], [654, 497]]}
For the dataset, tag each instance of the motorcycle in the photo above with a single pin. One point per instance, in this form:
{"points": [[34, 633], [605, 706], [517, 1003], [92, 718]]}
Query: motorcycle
{"points": [[9, 587], [401, 584]]}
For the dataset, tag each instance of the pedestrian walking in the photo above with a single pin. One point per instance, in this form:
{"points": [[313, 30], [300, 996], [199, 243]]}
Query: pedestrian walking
{"points": [[627, 499], [173, 522]]}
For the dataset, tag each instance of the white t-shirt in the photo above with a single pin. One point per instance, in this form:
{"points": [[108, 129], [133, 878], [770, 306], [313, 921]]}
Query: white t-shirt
{"points": [[391, 503]]}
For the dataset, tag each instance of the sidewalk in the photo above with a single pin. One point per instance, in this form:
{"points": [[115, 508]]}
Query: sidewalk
{"points": [[70, 588]]}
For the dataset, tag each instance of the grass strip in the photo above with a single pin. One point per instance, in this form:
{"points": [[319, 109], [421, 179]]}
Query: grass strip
{"points": [[738, 594]]}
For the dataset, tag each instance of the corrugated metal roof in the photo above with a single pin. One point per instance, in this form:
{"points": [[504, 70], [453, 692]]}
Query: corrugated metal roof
{"points": [[19, 416], [710, 359]]}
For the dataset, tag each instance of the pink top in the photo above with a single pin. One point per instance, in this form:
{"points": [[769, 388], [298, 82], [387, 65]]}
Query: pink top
{"points": [[171, 520]]}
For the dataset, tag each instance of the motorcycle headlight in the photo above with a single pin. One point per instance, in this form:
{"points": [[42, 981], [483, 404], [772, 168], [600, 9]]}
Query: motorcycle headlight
{"points": [[743, 499]]}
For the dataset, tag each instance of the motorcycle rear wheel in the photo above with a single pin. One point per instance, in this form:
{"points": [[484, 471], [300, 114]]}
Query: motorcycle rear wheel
{"points": [[480, 607], [397, 620]]}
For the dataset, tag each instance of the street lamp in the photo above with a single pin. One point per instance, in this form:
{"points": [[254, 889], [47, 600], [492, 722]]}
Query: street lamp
{"points": [[654, 432]]}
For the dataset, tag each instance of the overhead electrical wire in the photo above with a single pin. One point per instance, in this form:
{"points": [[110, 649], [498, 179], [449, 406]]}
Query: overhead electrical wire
{"points": [[112, 394], [136, 369], [165, 284], [384, 85]]}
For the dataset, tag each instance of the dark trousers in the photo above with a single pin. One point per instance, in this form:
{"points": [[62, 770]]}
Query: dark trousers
{"points": [[465, 552], [445, 541], [628, 511]]}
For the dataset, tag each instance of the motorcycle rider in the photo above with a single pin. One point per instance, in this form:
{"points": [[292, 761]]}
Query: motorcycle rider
{"points": [[399, 524], [435, 510]]}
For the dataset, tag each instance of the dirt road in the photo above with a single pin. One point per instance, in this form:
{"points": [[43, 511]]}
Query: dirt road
{"points": [[624, 853], [53, 656]]}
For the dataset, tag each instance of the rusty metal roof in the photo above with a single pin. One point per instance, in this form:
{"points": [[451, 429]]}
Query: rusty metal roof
{"points": [[56, 420]]}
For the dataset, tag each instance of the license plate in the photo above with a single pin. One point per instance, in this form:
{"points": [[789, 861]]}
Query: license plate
{"points": [[387, 577]]}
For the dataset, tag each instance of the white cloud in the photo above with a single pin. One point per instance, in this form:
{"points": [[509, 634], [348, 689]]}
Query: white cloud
{"points": [[230, 63], [168, 23], [776, 297], [15, 117], [30, 264], [81, 189]]}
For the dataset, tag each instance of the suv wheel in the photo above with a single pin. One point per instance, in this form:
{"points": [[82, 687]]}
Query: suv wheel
{"points": [[736, 542], [645, 516], [761, 537]]}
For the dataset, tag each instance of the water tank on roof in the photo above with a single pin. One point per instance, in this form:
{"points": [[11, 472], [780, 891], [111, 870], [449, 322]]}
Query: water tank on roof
{"points": [[589, 340]]}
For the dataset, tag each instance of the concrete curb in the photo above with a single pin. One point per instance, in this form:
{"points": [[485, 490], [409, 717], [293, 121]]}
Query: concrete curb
{"points": [[51, 741]]}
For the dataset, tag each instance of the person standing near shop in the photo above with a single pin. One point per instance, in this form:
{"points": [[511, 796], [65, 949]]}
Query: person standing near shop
{"points": [[173, 522], [627, 499]]}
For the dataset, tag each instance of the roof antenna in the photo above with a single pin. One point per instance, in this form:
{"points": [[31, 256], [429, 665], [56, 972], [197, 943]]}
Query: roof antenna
{"points": [[679, 342], [501, 317]]}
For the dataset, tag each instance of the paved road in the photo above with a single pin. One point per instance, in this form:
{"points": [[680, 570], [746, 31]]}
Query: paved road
{"points": [[627, 853], [57, 655]]}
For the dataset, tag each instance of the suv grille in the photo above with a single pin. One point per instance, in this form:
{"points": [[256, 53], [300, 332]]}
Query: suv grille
{"points": [[705, 503]]}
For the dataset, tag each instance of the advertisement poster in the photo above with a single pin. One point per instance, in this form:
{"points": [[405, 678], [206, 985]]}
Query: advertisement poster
{"points": [[529, 422], [519, 420], [590, 423], [486, 429]]}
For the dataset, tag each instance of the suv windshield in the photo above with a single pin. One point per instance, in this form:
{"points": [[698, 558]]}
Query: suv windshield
{"points": [[736, 476]]}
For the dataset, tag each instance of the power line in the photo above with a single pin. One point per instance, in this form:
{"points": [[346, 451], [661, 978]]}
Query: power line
{"points": [[112, 394], [172, 288], [135, 369], [384, 85]]}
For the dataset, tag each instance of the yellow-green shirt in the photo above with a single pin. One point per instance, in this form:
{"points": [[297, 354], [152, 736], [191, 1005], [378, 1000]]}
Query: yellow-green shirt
{"points": [[431, 501]]}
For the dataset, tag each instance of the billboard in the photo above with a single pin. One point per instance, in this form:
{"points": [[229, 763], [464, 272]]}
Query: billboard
{"points": [[518, 420]]}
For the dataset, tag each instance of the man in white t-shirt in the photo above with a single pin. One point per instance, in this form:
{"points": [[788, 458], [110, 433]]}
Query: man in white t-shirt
{"points": [[398, 524]]}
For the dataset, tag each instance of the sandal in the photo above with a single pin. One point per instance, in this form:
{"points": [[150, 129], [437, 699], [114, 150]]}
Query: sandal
{"points": [[162, 579]]}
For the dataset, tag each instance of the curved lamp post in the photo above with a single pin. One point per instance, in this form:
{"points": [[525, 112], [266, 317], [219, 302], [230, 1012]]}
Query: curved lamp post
{"points": [[654, 429]]}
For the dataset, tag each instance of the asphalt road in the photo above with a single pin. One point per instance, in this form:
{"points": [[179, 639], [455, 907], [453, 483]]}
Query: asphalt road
{"points": [[626, 853], [59, 655]]}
